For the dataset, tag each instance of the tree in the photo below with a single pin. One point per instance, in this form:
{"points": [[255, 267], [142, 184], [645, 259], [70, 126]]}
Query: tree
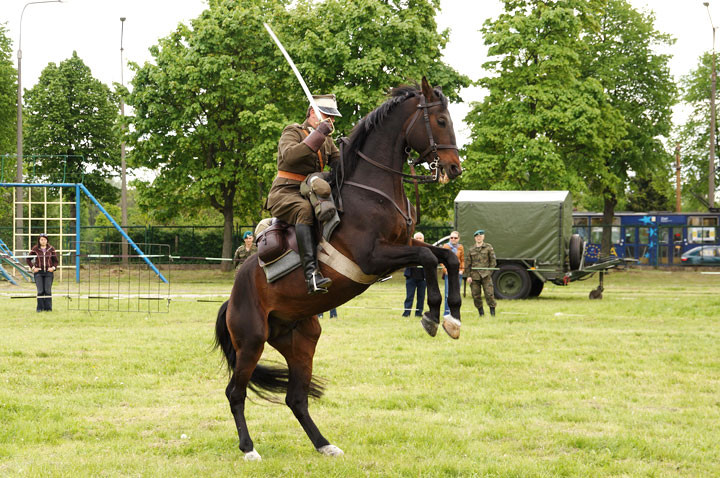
{"points": [[8, 95], [209, 112], [205, 114], [638, 84], [72, 125], [694, 136], [541, 116], [8, 126], [578, 101]]}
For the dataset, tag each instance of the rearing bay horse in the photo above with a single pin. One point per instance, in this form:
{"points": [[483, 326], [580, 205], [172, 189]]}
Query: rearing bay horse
{"points": [[375, 232]]}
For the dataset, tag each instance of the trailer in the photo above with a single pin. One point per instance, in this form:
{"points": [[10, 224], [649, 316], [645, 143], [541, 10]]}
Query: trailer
{"points": [[531, 232]]}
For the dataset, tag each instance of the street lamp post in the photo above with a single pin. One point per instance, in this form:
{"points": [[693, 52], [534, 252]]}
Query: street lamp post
{"points": [[711, 176], [123, 166], [19, 170]]}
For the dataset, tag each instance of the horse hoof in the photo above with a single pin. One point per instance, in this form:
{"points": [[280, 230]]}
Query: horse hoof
{"points": [[330, 450], [429, 325], [253, 456], [452, 326]]}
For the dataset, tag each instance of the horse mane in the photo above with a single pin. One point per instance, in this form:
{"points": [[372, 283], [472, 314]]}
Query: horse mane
{"points": [[365, 126]]}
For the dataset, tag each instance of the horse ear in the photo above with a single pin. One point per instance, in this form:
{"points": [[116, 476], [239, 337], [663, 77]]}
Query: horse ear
{"points": [[427, 89]]}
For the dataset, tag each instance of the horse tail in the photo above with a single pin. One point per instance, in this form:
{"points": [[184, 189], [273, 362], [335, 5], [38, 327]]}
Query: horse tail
{"points": [[222, 338], [265, 379]]}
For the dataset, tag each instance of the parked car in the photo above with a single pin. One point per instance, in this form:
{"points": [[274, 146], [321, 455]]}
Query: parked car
{"points": [[702, 256]]}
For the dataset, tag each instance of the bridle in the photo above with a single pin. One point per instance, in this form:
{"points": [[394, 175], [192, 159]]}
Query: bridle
{"points": [[433, 162]]}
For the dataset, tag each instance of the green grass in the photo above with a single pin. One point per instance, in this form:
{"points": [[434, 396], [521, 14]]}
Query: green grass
{"points": [[556, 386]]}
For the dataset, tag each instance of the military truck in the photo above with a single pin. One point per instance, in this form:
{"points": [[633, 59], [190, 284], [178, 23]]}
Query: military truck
{"points": [[531, 232]]}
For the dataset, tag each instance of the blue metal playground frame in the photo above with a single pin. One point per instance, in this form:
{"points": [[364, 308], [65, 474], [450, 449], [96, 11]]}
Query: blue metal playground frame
{"points": [[79, 189]]}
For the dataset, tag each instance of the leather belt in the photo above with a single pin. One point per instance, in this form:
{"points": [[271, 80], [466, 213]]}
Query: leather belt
{"points": [[289, 175]]}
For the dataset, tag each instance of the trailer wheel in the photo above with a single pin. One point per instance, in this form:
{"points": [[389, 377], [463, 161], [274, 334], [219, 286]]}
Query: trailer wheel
{"points": [[511, 282], [576, 252], [536, 286]]}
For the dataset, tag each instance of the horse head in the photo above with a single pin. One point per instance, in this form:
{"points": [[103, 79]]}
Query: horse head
{"points": [[433, 136]]}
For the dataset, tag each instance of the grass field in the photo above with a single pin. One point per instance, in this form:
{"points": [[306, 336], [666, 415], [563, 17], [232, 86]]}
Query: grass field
{"points": [[557, 386]]}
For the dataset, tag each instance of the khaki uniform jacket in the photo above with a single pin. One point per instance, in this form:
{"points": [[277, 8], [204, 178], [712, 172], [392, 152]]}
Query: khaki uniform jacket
{"points": [[294, 156], [483, 256], [461, 257], [241, 255]]}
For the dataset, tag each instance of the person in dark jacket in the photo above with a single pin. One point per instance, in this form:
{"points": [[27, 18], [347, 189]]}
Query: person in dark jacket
{"points": [[43, 261], [415, 281], [304, 149]]}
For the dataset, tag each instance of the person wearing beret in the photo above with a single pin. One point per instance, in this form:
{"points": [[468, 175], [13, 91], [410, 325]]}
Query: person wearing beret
{"points": [[478, 260], [245, 250]]}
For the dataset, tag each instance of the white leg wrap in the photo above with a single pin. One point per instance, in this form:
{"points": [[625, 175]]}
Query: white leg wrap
{"points": [[253, 456], [330, 450]]}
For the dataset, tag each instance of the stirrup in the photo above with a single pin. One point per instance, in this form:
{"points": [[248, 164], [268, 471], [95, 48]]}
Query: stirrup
{"points": [[317, 285]]}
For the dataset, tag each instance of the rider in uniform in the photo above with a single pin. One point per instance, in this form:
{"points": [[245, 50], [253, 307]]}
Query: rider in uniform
{"points": [[304, 149], [481, 255]]}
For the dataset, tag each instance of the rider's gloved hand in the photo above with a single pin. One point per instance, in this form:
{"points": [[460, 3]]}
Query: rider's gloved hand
{"points": [[325, 127], [316, 139]]}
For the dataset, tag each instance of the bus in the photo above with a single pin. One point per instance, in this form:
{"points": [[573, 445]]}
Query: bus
{"points": [[653, 238]]}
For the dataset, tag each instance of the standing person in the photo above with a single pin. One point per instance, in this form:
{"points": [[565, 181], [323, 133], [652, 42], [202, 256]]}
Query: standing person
{"points": [[415, 280], [304, 149], [43, 261], [481, 255], [245, 250], [455, 246]]}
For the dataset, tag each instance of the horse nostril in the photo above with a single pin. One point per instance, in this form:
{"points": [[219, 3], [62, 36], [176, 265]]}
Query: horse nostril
{"points": [[456, 170]]}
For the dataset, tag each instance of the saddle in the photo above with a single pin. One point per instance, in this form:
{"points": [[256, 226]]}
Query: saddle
{"points": [[278, 253], [274, 241]]}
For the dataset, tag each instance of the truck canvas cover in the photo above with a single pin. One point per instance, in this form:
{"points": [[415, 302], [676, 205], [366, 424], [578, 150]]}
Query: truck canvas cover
{"points": [[534, 225]]}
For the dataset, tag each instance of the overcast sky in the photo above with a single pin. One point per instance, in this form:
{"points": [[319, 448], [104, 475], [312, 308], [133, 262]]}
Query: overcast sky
{"points": [[51, 31]]}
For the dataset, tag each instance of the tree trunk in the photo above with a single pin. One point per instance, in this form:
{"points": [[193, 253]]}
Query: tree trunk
{"points": [[610, 201], [227, 235]]}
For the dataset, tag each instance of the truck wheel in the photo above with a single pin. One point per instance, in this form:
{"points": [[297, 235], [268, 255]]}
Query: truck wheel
{"points": [[576, 252], [511, 282], [536, 286]]}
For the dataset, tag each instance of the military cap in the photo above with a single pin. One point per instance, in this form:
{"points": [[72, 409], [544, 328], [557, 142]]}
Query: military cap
{"points": [[479, 231], [327, 104], [246, 234]]}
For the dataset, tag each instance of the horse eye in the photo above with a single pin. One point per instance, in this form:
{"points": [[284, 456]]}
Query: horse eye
{"points": [[441, 122]]}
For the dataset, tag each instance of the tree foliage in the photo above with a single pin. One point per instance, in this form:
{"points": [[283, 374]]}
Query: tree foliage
{"points": [[72, 131], [577, 99], [8, 130], [8, 95], [694, 135], [209, 111]]}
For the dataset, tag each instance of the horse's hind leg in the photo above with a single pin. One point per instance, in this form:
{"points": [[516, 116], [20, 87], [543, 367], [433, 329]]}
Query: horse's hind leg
{"points": [[251, 348], [298, 348]]}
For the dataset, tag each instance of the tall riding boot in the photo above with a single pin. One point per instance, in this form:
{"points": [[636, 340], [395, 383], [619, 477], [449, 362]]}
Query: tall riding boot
{"points": [[316, 283], [492, 311], [481, 311]]}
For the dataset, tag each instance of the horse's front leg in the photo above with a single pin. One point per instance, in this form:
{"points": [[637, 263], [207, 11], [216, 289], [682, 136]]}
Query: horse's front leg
{"points": [[451, 324], [393, 257]]}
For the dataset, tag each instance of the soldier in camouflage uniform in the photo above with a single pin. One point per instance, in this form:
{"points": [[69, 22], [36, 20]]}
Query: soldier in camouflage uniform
{"points": [[304, 149], [481, 254], [245, 250]]}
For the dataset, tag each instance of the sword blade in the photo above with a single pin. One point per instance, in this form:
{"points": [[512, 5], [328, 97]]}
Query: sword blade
{"points": [[295, 70]]}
